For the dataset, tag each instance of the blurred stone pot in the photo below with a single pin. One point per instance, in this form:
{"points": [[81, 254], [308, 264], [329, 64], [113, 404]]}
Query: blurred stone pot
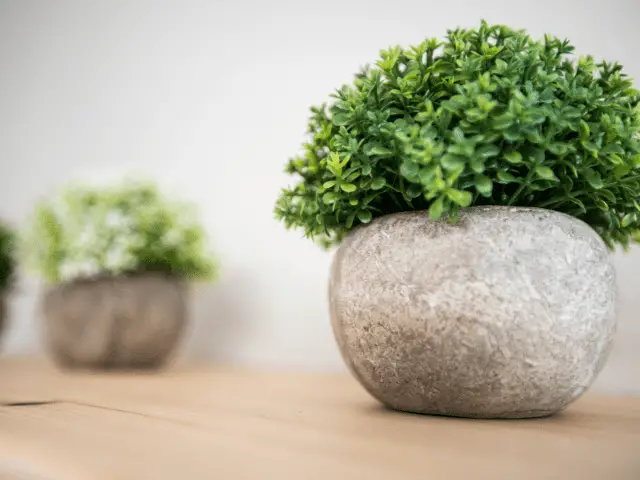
{"points": [[508, 313], [122, 322]]}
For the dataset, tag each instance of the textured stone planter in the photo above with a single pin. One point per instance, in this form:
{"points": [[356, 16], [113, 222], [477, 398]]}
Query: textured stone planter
{"points": [[127, 322], [509, 313]]}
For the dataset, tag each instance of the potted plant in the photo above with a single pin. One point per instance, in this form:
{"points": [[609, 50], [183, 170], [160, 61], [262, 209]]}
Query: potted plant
{"points": [[117, 260], [473, 186], [7, 268]]}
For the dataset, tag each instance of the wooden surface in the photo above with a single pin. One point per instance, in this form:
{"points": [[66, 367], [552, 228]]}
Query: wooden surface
{"points": [[206, 423]]}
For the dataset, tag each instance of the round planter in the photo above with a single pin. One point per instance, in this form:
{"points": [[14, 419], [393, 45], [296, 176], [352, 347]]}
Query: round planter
{"points": [[123, 322], [508, 313]]}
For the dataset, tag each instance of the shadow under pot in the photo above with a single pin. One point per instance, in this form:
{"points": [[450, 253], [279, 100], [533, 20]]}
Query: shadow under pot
{"points": [[120, 322]]}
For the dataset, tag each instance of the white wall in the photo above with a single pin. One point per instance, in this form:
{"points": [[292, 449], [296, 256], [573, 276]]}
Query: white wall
{"points": [[211, 98]]}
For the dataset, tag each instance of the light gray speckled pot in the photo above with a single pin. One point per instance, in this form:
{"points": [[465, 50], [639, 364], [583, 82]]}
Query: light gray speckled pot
{"points": [[509, 313]]}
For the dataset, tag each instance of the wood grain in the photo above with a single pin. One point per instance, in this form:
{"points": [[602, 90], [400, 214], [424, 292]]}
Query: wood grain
{"points": [[201, 422]]}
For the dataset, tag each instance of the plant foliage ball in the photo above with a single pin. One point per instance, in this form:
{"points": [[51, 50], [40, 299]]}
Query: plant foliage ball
{"points": [[120, 229], [488, 117], [7, 257]]}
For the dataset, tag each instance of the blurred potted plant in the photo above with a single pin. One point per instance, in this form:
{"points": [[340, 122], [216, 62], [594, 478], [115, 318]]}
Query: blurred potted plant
{"points": [[117, 260], [473, 186], [7, 268]]}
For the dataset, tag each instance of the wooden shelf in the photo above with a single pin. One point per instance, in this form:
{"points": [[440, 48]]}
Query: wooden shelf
{"points": [[212, 423]]}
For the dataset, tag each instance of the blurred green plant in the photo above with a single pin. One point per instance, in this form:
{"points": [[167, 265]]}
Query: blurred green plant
{"points": [[487, 117], [119, 229], [7, 257]]}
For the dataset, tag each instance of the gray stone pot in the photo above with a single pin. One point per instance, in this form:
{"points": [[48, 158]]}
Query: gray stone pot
{"points": [[509, 313], [125, 322]]}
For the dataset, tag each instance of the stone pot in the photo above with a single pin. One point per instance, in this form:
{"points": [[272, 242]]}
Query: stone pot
{"points": [[508, 313], [122, 322]]}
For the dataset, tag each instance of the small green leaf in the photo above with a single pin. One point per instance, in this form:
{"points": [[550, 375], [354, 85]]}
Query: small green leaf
{"points": [[503, 121], [513, 157], [484, 185], [545, 173], [477, 164], [512, 135], [350, 219], [461, 149], [608, 195], [458, 135], [379, 150], [364, 216], [570, 166], [621, 170], [378, 183], [615, 159], [577, 202], [535, 137], [351, 177], [506, 177], [348, 187], [537, 155], [409, 169], [328, 184], [612, 148], [453, 176], [334, 164], [452, 162], [487, 151], [426, 174], [461, 197], [436, 208], [572, 112], [593, 178], [414, 191], [627, 220], [501, 65], [330, 197], [584, 130], [590, 146], [438, 182], [340, 119], [558, 148]]}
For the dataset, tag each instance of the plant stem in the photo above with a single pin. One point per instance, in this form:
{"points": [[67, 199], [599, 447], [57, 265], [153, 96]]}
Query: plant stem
{"points": [[560, 200], [521, 187]]}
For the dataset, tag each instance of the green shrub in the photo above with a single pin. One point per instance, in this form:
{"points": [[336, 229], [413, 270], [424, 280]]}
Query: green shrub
{"points": [[119, 229], [7, 257], [488, 117]]}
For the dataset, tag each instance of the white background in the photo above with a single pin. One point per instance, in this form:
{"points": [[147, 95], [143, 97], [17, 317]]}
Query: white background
{"points": [[210, 99]]}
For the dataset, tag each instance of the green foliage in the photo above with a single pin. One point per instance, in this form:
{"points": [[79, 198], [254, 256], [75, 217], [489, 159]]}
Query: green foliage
{"points": [[488, 117], [115, 230], [7, 257]]}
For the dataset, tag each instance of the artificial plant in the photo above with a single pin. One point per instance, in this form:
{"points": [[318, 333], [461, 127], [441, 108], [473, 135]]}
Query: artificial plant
{"points": [[119, 229], [489, 116], [7, 257]]}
